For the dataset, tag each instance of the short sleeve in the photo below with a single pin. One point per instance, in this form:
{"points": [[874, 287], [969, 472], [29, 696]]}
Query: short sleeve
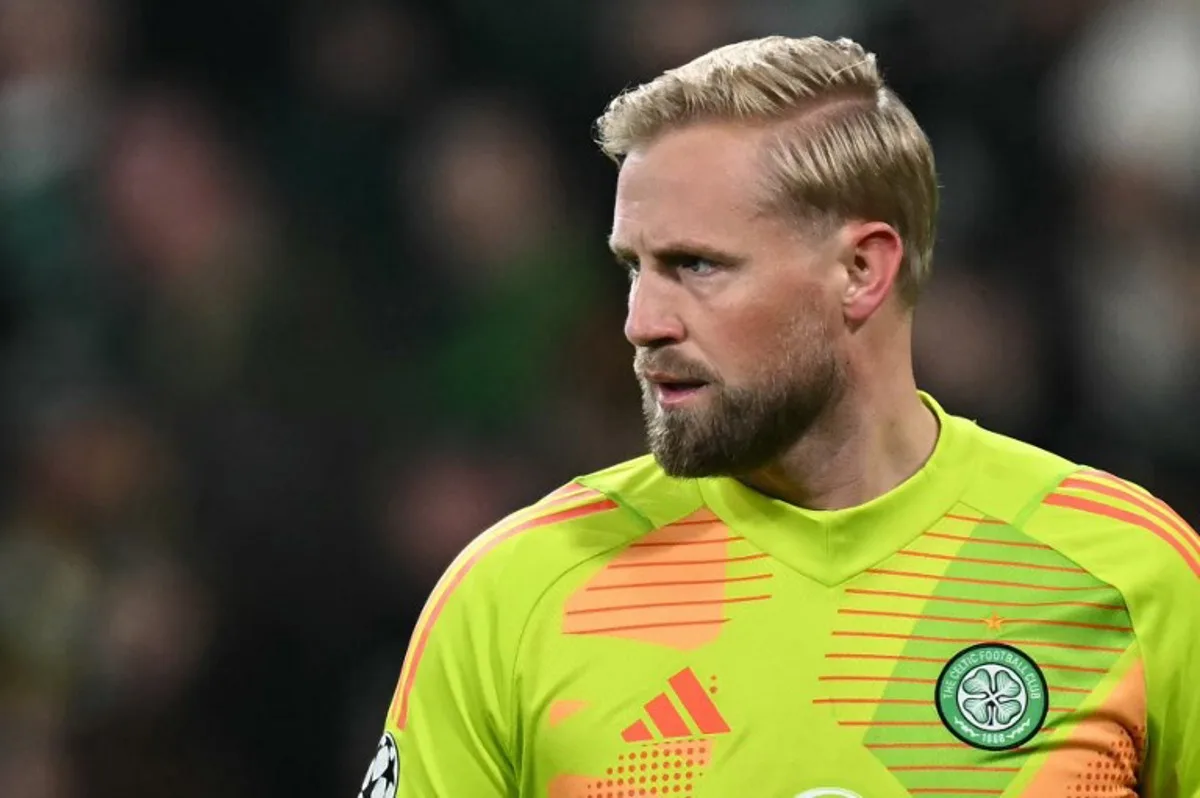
{"points": [[1173, 687], [447, 731], [452, 728], [1181, 726]]}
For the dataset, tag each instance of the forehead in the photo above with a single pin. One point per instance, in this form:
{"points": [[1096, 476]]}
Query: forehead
{"points": [[702, 182]]}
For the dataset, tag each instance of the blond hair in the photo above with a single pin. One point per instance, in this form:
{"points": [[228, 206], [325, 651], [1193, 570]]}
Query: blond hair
{"points": [[845, 146]]}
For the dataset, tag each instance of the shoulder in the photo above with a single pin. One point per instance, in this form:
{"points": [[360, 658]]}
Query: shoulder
{"points": [[1114, 528], [483, 599], [586, 517], [1128, 538], [487, 596], [1121, 532], [1009, 475]]}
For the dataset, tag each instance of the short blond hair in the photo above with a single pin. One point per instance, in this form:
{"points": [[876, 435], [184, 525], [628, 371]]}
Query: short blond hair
{"points": [[846, 146]]}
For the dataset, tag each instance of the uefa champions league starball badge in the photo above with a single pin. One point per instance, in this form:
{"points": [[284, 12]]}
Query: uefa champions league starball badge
{"points": [[384, 771], [992, 696]]}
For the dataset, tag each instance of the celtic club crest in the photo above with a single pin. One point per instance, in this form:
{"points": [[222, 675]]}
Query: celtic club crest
{"points": [[992, 696]]}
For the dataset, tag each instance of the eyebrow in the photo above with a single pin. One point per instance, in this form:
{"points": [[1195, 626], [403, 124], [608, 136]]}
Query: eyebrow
{"points": [[677, 251]]}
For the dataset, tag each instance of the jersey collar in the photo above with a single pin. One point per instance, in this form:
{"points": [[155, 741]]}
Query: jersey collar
{"points": [[832, 546]]}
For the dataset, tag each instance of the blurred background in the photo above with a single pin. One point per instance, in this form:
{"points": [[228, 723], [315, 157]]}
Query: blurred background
{"points": [[297, 297]]}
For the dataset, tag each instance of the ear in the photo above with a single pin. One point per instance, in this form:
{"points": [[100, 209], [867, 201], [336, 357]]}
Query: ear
{"points": [[873, 251]]}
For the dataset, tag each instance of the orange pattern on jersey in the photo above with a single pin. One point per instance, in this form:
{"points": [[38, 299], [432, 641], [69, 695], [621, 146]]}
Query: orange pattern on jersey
{"points": [[571, 786], [1099, 493], [658, 769], [1102, 756], [667, 750], [670, 587], [1115, 488], [564, 505], [566, 495], [563, 709]]}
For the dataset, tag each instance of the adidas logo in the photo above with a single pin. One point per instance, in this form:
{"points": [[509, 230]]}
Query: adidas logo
{"points": [[667, 722]]}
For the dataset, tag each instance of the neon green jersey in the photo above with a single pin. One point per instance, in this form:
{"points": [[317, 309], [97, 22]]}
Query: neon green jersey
{"points": [[1005, 623]]}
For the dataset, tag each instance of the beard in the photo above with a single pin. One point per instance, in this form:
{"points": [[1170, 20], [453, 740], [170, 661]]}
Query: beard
{"points": [[739, 429]]}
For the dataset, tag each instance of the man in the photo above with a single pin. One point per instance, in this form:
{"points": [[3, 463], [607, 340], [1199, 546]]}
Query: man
{"points": [[821, 584]]}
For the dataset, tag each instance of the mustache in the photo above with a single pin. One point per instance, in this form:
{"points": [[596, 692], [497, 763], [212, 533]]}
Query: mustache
{"points": [[669, 362]]}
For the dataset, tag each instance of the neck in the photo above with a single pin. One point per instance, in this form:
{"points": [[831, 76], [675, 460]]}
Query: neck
{"points": [[859, 449]]}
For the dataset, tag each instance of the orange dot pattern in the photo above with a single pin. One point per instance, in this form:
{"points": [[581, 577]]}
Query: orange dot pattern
{"points": [[1102, 751], [1112, 771], [658, 769]]}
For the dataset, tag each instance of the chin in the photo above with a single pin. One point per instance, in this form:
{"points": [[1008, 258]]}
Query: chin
{"points": [[690, 452], [692, 463]]}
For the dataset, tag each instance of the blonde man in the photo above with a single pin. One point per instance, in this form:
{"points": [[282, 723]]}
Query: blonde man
{"points": [[820, 583]]}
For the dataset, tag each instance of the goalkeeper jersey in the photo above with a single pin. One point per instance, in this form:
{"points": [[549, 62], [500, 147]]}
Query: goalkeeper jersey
{"points": [[1004, 623]]}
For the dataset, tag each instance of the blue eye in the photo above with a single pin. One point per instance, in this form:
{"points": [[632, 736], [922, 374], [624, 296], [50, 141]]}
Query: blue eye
{"points": [[698, 266]]}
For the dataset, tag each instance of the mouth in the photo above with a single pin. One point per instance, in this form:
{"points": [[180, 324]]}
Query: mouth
{"points": [[672, 391]]}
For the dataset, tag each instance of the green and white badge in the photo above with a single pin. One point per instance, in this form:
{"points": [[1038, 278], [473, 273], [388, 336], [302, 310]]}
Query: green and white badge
{"points": [[992, 696]]}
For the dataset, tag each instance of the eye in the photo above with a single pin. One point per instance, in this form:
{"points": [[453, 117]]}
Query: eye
{"points": [[701, 267]]}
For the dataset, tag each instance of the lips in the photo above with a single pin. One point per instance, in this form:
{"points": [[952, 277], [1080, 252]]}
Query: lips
{"points": [[669, 378], [671, 390], [670, 395]]}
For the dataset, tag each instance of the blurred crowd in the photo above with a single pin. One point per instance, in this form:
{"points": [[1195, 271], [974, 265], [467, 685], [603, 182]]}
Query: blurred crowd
{"points": [[298, 297]]}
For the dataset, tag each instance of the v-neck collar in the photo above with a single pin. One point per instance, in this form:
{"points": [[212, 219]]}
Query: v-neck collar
{"points": [[831, 546]]}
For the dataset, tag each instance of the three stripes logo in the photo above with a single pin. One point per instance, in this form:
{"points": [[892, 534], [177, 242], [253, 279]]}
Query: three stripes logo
{"points": [[684, 710]]}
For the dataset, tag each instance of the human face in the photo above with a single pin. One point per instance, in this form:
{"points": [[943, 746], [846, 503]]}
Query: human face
{"points": [[733, 312]]}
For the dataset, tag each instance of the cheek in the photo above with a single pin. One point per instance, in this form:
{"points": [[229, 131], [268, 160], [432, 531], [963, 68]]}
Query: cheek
{"points": [[776, 335], [755, 342]]}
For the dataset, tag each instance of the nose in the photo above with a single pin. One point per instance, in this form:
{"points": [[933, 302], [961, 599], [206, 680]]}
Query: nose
{"points": [[653, 319]]}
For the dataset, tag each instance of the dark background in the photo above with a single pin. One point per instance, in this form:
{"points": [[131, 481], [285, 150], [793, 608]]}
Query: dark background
{"points": [[298, 297]]}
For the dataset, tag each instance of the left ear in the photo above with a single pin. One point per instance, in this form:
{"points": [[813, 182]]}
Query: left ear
{"points": [[872, 253]]}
